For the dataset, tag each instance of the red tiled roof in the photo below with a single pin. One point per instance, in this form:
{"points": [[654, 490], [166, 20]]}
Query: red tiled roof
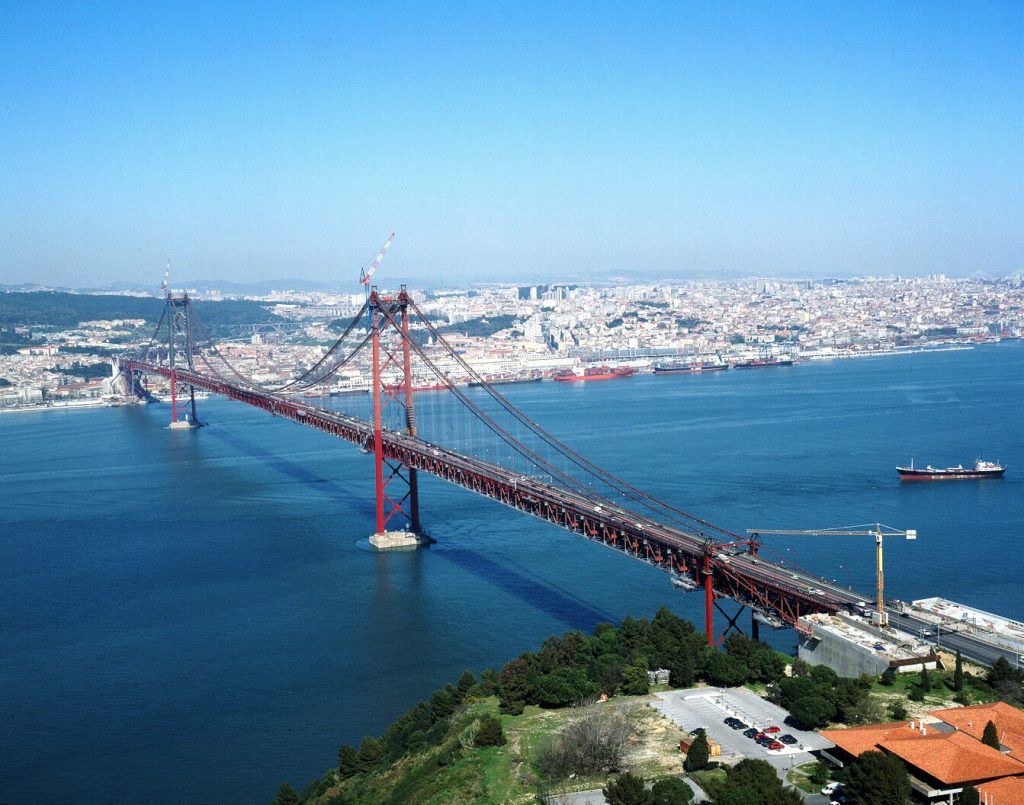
{"points": [[1009, 723], [1007, 791], [953, 757], [856, 740]]}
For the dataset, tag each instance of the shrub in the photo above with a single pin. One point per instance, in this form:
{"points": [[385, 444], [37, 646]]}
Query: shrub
{"points": [[592, 742], [626, 789], [490, 733], [671, 791], [897, 709]]}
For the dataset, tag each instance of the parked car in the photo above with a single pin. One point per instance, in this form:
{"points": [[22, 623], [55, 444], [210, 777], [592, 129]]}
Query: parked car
{"points": [[739, 725], [772, 730], [698, 731], [830, 789], [787, 739], [751, 732], [776, 746]]}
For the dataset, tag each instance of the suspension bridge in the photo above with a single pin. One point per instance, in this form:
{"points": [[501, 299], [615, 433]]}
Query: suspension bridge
{"points": [[476, 439]]}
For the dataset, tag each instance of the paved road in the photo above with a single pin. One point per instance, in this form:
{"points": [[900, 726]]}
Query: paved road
{"points": [[971, 647]]}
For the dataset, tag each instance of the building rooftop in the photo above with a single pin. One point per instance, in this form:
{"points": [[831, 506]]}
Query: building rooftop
{"points": [[1003, 792], [953, 758], [1009, 723], [856, 740]]}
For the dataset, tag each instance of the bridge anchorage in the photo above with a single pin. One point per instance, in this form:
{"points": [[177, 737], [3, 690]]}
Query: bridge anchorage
{"points": [[470, 435]]}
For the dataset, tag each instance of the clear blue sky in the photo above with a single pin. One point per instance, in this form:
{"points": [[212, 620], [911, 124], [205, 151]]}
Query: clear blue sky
{"points": [[509, 140]]}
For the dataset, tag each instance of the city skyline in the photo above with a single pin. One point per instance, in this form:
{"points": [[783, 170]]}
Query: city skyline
{"points": [[510, 145]]}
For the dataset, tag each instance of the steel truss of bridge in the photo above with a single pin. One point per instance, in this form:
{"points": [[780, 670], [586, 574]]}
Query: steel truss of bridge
{"points": [[778, 595]]}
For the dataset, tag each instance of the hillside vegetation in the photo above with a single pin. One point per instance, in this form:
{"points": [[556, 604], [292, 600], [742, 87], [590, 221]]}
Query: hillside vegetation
{"points": [[65, 310], [540, 725]]}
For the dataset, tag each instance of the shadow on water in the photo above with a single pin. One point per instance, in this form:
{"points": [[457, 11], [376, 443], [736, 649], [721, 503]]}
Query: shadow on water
{"points": [[573, 613], [297, 472], [576, 614]]}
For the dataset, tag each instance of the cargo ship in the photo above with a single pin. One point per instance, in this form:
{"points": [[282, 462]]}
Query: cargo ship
{"points": [[981, 469], [760, 363], [505, 380], [686, 368], [593, 373]]}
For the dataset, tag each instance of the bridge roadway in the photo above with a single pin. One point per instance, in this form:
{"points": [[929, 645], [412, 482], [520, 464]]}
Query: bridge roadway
{"points": [[781, 594]]}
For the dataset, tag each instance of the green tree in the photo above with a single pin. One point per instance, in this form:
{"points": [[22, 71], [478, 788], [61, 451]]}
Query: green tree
{"points": [[442, 702], [823, 676], [754, 781], [348, 761], [726, 671], [286, 795], [897, 709], [681, 671], [489, 733], [958, 673], [517, 684], [697, 756], [370, 753], [970, 796], [606, 671], [635, 681], [926, 680], [990, 737], [875, 778], [564, 686], [888, 676], [1002, 671], [812, 712], [789, 690], [627, 789], [466, 683], [671, 791]]}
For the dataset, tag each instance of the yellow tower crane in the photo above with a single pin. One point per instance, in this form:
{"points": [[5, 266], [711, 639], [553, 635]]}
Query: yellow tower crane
{"points": [[878, 532]]}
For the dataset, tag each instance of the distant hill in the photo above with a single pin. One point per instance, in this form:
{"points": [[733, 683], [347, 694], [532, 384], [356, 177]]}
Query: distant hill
{"points": [[58, 309]]}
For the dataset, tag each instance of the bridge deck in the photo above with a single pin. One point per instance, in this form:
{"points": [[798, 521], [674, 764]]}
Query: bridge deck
{"points": [[765, 586]]}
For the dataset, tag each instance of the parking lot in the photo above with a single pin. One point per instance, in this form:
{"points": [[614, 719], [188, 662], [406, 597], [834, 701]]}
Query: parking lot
{"points": [[708, 707]]}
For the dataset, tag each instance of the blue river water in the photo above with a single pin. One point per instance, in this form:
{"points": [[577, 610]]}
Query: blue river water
{"points": [[190, 613]]}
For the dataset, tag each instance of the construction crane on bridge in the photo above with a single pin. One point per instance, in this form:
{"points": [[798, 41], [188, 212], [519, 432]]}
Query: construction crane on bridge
{"points": [[878, 532], [365, 274]]}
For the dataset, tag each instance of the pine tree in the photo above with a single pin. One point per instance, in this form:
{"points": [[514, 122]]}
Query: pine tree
{"points": [[990, 737], [286, 795], [348, 761], [466, 683], [958, 672], [370, 752], [970, 796]]}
